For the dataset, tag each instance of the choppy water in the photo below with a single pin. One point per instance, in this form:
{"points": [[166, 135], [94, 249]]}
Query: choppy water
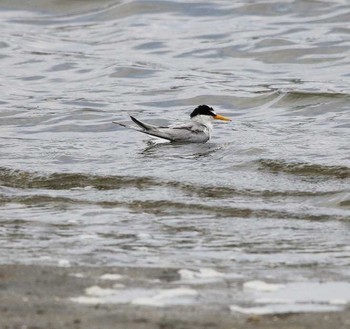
{"points": [[267, 198]]}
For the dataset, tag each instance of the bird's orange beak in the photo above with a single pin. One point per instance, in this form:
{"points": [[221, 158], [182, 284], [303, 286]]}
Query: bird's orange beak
{"points": [[221, 117]]}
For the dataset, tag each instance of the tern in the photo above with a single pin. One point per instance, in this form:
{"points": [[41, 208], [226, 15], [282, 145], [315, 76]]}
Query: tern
{"points": [[197, 130]]}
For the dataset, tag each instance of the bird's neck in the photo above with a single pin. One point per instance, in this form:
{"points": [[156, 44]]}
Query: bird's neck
{"points": [[204, 120]]}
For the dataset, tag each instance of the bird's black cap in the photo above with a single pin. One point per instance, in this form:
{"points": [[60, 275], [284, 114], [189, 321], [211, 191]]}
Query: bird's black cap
{"points": [[203, 110]]}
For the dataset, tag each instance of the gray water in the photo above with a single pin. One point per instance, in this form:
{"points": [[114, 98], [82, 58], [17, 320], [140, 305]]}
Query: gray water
{"points": [[266, 199]]}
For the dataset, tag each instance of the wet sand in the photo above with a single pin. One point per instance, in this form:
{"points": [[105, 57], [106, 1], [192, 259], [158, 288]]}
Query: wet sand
{"points": [[36, 297]]}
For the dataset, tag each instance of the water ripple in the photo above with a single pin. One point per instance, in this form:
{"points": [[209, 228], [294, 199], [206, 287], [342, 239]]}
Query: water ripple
{"points": [[268, 197]]}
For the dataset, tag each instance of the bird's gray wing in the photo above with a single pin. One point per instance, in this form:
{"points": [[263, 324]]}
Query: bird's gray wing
{"points": [[189, 132], [146, 129]]}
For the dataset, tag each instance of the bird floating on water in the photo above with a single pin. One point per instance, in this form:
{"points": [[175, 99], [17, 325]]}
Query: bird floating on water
{"points": [[197, 130]]}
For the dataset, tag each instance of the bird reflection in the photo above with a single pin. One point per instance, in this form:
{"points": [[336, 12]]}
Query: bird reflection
{"points": [[179, 150]]}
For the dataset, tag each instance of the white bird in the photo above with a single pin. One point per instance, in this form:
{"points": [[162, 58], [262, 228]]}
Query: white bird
{"points": [[198, 130]]}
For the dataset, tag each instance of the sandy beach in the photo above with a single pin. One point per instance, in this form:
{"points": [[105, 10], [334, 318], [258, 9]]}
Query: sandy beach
{"points": [[35, 297]]}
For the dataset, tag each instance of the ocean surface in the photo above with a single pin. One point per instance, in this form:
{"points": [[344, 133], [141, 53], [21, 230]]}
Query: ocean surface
{"points": [[264, 206]]}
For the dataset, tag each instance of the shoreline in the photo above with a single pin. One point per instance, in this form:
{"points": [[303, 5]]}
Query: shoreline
{"points": [[42, 297]]}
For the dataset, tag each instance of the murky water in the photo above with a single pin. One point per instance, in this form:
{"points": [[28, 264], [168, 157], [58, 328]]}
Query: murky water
{"points": [[267, 198]]}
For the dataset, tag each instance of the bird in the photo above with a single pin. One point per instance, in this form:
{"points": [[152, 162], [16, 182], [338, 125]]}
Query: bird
{"points": [[197, 130]]}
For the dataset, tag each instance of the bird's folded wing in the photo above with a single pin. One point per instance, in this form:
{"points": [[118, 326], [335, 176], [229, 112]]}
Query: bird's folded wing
{"points": [[189, 132], [191, 127]]}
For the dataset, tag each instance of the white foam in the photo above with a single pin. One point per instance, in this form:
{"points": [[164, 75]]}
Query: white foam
{"points": [[201, 275], [156, 298], [98, 295], [307, 292], [295, 297], [339, 301], [262, 286], [100, 292], [77, 275], [144, 236], [111, 276], [64, 263], [166, 297], [87, 236], [86, 300], [284, 309]]}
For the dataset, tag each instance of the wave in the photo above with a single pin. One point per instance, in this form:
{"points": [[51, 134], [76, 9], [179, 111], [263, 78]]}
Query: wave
{"points": [[217, 201], [66, 181], [169, 208], [304, 169]]}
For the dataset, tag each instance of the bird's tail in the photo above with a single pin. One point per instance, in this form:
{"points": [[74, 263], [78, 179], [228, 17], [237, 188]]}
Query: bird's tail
{"points": [[143, 125], [145, 128]]}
